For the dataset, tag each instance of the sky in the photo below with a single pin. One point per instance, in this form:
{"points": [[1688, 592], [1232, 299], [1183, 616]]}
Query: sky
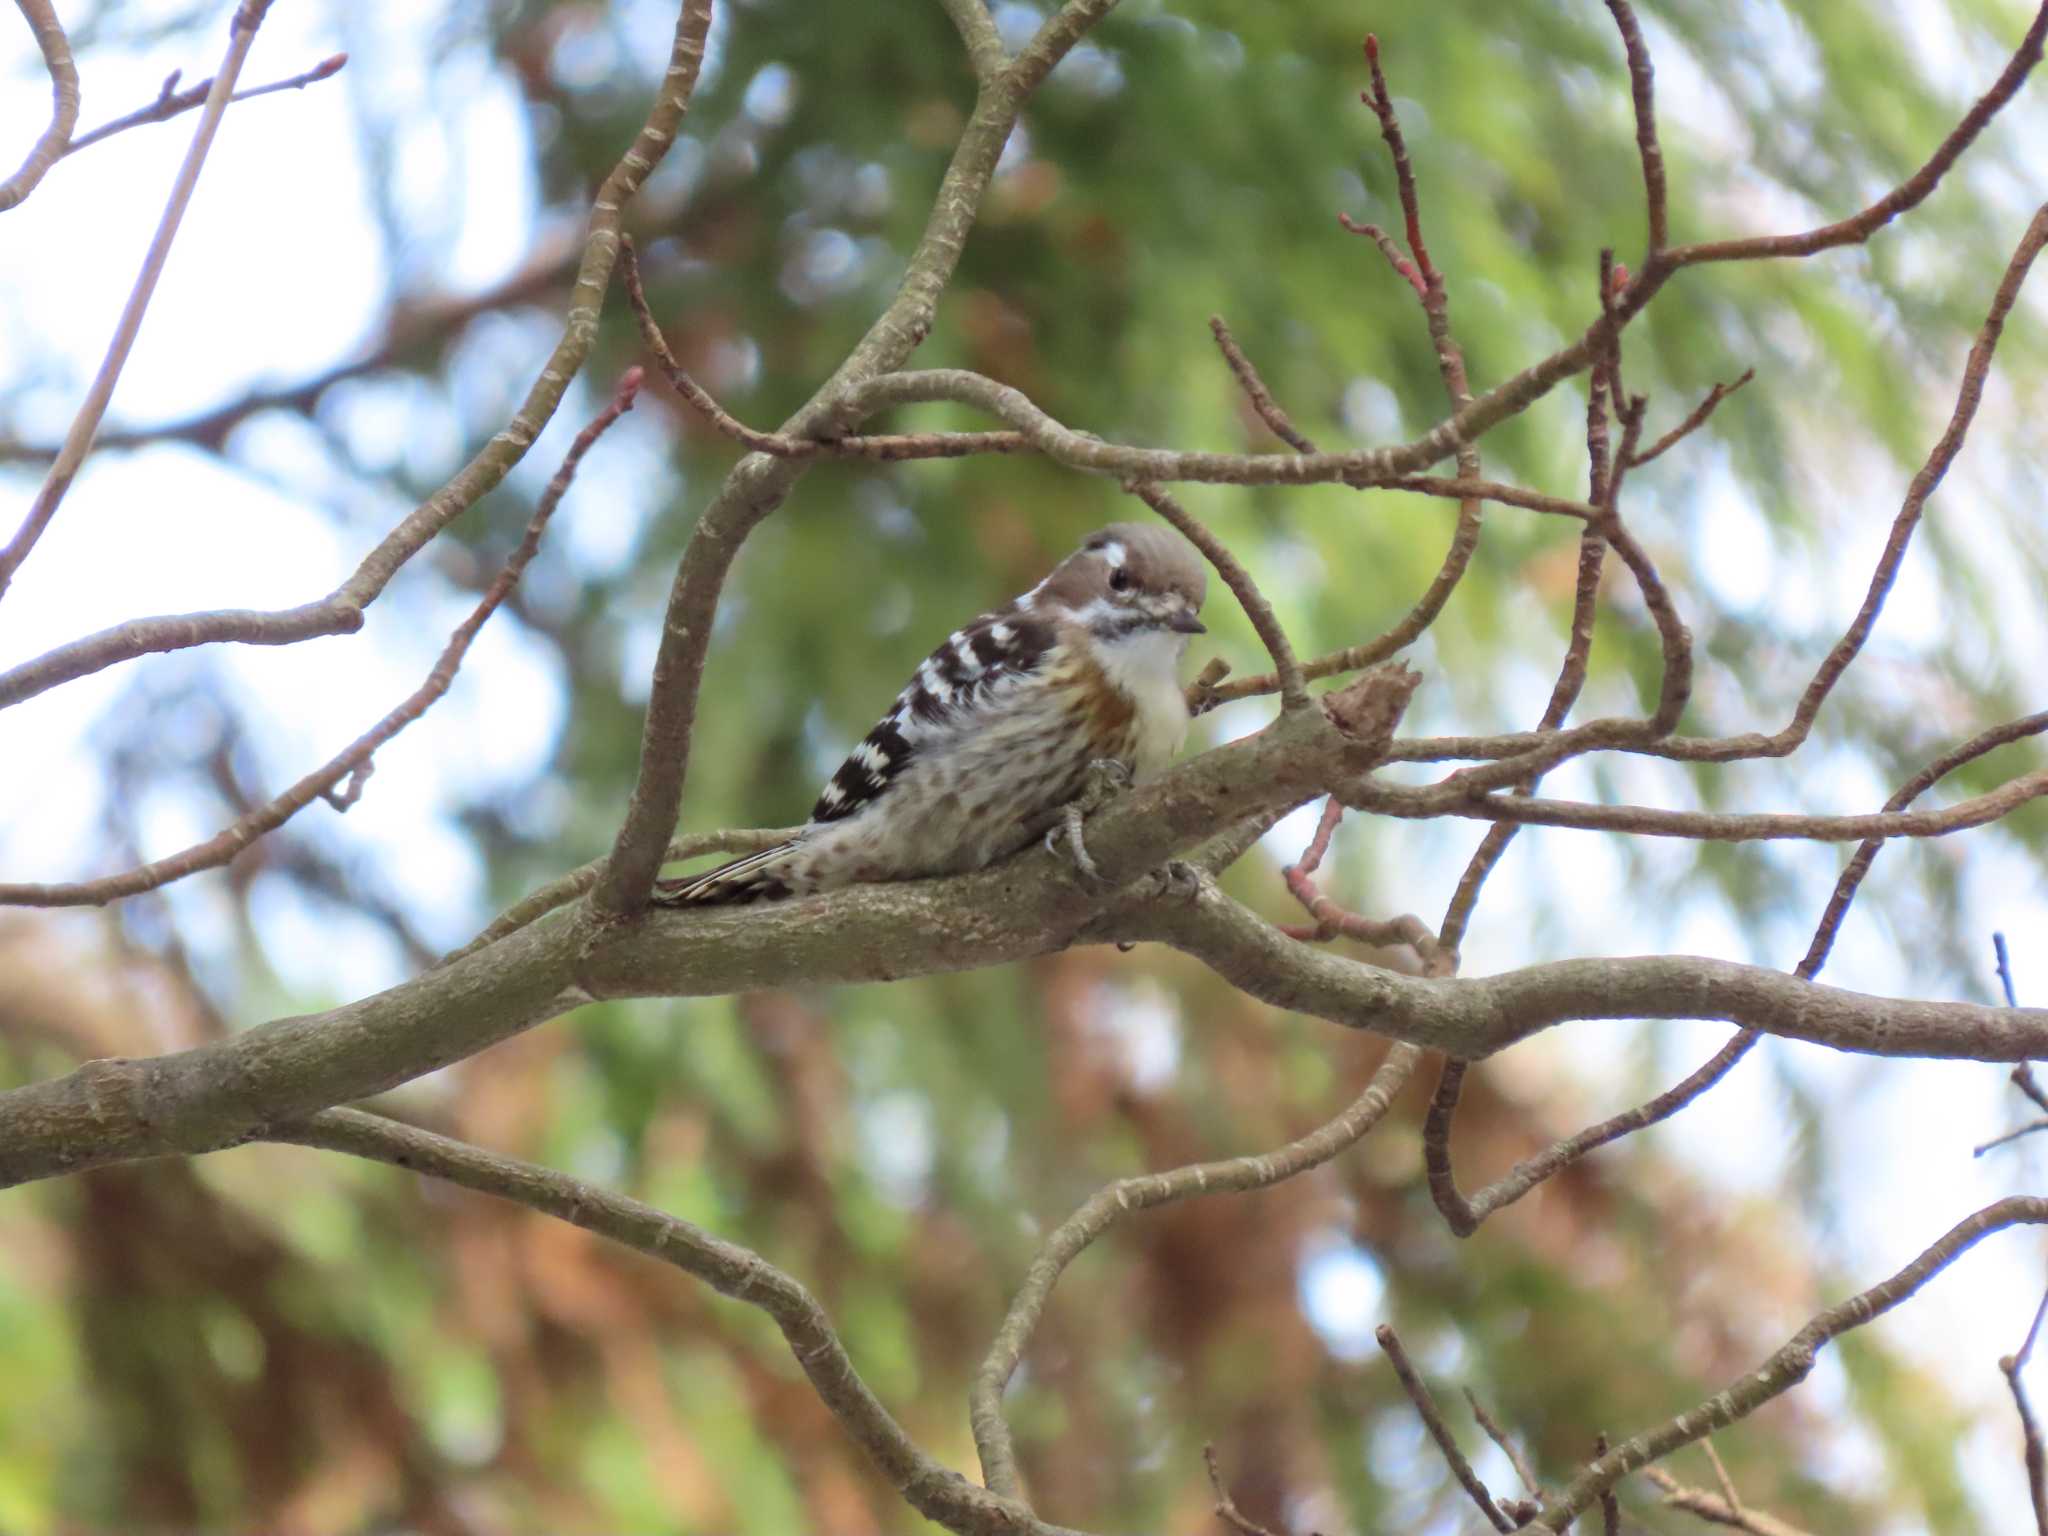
{"points": [[279, 272]]}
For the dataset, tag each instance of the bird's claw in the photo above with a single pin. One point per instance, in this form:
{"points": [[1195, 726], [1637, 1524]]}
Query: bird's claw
{"points": [[1179, 881], [1107, 778]]}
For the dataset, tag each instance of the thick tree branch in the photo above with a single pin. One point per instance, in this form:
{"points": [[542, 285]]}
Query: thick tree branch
{"points": [[50, 147]]}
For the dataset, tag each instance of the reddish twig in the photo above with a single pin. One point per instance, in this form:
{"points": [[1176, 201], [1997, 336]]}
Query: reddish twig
{"points": [[1255, 392], [171, 102], [49, 148], [78, 440], [1433, 1420], [1696, 419], [1382, 104], [1430, 291], [352, 764], [1332, 919], [1391, 249]]}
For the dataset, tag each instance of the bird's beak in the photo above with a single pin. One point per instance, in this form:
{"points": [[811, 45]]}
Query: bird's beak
{"points": [[1184, 622]]}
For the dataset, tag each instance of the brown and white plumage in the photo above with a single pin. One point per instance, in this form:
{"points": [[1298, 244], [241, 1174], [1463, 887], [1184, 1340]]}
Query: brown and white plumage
{"points": [[996, 731]]}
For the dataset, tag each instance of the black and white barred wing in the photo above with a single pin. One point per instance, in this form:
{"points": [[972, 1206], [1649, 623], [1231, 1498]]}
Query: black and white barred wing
{"points": [[953, 695]]}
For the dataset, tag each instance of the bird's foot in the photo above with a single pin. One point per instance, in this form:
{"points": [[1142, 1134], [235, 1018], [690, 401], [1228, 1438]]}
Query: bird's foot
{"points": [[1179, 881], [1107, 778]]}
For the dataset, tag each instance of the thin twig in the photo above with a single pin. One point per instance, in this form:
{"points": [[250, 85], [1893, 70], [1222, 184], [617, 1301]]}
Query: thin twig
{"points": [[1721, 1477], [1293, 692], [49, 148], [353, 763], [78, 440], [2035, 1457], [1715, 1509], [1110, 1205], [1464, 1215], [1226, 1507], [757, 486], [1333, 919], [1702, 826], [1501, 1438], [1929, 476], [564, 889], [1788, 1366], [782, 445], [1261, 398], [171, 101], [728, 1268], [1694, 420], [1433, 1420], [1641, 88], [1610, 1506]]}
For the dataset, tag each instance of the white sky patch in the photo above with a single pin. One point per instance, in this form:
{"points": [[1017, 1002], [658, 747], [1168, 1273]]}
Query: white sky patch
{"points": [[897, 1146], [1141, 1024], [1343, 1292]]}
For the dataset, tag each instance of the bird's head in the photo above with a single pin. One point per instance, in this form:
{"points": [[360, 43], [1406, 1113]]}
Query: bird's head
{"points": [[1130, 579]]}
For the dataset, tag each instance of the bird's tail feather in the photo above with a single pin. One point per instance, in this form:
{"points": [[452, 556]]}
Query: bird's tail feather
{"points": [[749, 878]]}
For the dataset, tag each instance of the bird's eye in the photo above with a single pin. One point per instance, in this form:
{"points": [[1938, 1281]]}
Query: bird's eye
{"points": [[1119, 580]]}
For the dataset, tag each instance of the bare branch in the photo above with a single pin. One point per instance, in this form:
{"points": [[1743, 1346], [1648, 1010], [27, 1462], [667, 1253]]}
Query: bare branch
{"points": [[1433, 1420], [758, 484], [564, 889], [48, 149], [1293, 693], [1111, 1204], [171, 102], [1694, 420], [1501, 1438], [1226, 1507], [593, 275], [1923, 485], [978, 35], [1789, 1366], [1641, 87], [1704, 826], [1261, 398], [731, 1270], [781, 445], [2036, 1458], [353, 763], [1907, 195], [78, 440]]}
